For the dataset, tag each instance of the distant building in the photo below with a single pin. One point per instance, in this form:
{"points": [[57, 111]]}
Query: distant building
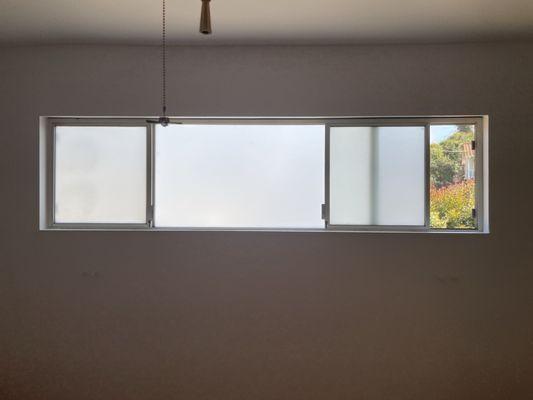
{"points": [[468, 161]]}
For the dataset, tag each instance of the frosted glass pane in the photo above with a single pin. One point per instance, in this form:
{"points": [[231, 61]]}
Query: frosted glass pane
{"points": [[350, 176], [239, 176], [377, 176], [100, 174]]}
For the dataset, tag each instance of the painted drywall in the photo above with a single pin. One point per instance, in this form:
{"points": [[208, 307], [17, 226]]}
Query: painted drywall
{"points": [[265, 22], [214, 315]]}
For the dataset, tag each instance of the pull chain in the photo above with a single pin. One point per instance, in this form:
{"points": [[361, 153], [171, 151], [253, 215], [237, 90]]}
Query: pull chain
{"points": [[164, 51]]}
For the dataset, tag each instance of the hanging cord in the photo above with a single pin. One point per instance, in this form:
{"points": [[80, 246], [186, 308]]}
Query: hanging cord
{"points": [[164, 54]]}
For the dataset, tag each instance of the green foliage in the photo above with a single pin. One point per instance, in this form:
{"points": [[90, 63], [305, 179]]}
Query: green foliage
{"points": [[446, 167], [465, 128], [452, 197], [451, 206], [443, 168]]}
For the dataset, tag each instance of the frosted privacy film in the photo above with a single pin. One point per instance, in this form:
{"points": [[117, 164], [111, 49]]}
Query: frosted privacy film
{"points": [[377, 176], [100, 174], [239, 176]]}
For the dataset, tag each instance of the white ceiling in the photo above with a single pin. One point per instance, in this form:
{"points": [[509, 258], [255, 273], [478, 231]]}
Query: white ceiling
{"points": [[265, 22]]}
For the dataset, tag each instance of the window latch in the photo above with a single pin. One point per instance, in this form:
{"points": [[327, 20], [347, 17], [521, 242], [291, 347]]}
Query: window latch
{"points": [[324, 212]]}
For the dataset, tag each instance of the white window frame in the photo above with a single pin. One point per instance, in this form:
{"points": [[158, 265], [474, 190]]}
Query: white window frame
{"points": [[49, 143], [47, 168]]}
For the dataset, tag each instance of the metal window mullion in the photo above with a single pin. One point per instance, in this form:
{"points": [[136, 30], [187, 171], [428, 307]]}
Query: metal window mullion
{"points": [[427, 176], [479, 174], [149, 177], [50, 174], [327, 176]]}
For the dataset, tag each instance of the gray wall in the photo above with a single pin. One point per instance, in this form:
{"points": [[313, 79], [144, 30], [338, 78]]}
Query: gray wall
{"points": [[211, 315]]}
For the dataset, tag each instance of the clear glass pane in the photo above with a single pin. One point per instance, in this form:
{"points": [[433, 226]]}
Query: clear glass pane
{"points": [[100, 174], [377, 176], [239, 176], [452, 197]]}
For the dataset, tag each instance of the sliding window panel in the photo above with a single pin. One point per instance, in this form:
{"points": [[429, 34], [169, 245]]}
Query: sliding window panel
{"points": [[100, 175], [239, 176], [377, 176]]}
